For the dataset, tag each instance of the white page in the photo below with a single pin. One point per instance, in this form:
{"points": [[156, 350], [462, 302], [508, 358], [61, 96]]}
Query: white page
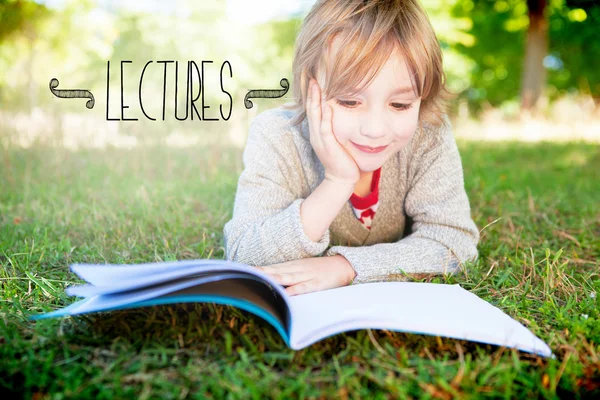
{"points": [[152, 279], [223, 270], [111, 274], [426, 308], [106, 302]]}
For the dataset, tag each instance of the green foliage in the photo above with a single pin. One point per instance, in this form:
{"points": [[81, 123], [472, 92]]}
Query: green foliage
{"points": [[50, 43], [18, 16], [575, 40], [499, 29]]}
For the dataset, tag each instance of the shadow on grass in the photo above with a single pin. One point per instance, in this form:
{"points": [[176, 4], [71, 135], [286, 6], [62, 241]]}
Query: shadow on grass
{"points": [[221, 331]]}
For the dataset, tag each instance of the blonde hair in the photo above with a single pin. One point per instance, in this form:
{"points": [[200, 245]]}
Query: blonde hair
{"points": [[370, 31]]}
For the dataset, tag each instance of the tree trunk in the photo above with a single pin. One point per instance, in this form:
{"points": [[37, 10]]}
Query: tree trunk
{"points": [[534, 73]]}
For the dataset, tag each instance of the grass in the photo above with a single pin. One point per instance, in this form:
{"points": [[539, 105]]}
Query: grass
{"points": [[536, 203]]}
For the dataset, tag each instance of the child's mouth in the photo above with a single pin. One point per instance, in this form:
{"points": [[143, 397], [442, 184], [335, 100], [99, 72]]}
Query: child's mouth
{"points": [[368, 149]]}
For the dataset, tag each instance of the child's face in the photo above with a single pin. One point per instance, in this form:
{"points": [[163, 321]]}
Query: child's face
{"points": [[378, 116]]}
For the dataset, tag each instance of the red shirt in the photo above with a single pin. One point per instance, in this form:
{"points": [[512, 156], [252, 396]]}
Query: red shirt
{"points": [[365, 207]]}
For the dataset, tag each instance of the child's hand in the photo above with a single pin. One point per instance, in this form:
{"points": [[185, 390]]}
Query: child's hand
{"points": [[312, 274], [338, 163]]}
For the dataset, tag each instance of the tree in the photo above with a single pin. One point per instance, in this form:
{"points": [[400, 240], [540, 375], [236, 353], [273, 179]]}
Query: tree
{"points": [[523, 47], [18, 16], [536, 48]]}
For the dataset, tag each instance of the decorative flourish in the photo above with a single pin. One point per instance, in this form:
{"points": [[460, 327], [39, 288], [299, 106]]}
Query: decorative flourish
{"points": [[266, 93], [72, 93]]}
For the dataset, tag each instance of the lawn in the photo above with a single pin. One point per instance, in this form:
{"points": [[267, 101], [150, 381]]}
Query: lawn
{"points": [[537, 206]]}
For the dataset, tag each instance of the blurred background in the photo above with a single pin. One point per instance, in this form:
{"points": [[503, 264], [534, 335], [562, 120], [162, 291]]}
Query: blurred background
{"points": [[525, 70]]}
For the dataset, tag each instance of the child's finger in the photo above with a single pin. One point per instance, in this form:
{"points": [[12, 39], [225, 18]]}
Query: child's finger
{"points": [[314, 116], [310, 98], [315, 99], [301, 288], [326, 120], [327, 137], [287, 267], [291, 278]]}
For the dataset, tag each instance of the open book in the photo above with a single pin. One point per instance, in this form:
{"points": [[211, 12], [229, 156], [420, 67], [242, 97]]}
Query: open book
{"points": [[301, 320]]}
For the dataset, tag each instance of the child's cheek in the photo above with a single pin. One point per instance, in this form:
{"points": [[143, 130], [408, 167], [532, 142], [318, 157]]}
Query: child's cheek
{"points": [[406, 130], [342, 127], [406, 127]]}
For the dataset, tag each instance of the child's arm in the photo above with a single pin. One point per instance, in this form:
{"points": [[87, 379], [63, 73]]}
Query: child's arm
{"points": [[321, 207], [443, 233], [267, 226]]}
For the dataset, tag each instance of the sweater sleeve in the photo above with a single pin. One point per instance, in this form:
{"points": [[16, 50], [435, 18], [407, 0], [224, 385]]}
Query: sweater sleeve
{"points": [[443, 233], [265, 227]]}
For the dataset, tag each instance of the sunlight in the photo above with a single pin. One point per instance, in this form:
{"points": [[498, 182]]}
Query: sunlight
{"points": [[258, 11]]}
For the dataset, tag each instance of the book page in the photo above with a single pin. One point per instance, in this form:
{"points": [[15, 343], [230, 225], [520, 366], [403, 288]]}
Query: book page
{"points": [[89, 290], [241, 290], [115, 278], [124, 299], [426, 308], [111, 274]]}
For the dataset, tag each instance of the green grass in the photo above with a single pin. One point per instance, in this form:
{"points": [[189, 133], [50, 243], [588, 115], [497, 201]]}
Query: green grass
{"points": [[538, 262]]}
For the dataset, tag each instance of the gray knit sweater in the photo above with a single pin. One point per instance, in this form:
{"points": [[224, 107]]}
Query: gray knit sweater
{"points": [[423, 223]]}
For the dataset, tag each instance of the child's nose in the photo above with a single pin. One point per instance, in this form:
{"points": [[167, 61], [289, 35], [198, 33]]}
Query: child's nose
{"points": [[374, 127]]}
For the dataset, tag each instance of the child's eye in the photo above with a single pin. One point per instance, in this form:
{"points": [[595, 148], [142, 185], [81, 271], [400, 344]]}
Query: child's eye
{"points": [[400, 106], [347, 104], [352, 104]]}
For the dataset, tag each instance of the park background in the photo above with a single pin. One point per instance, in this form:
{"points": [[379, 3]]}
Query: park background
{"points": [[75, 187]]}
